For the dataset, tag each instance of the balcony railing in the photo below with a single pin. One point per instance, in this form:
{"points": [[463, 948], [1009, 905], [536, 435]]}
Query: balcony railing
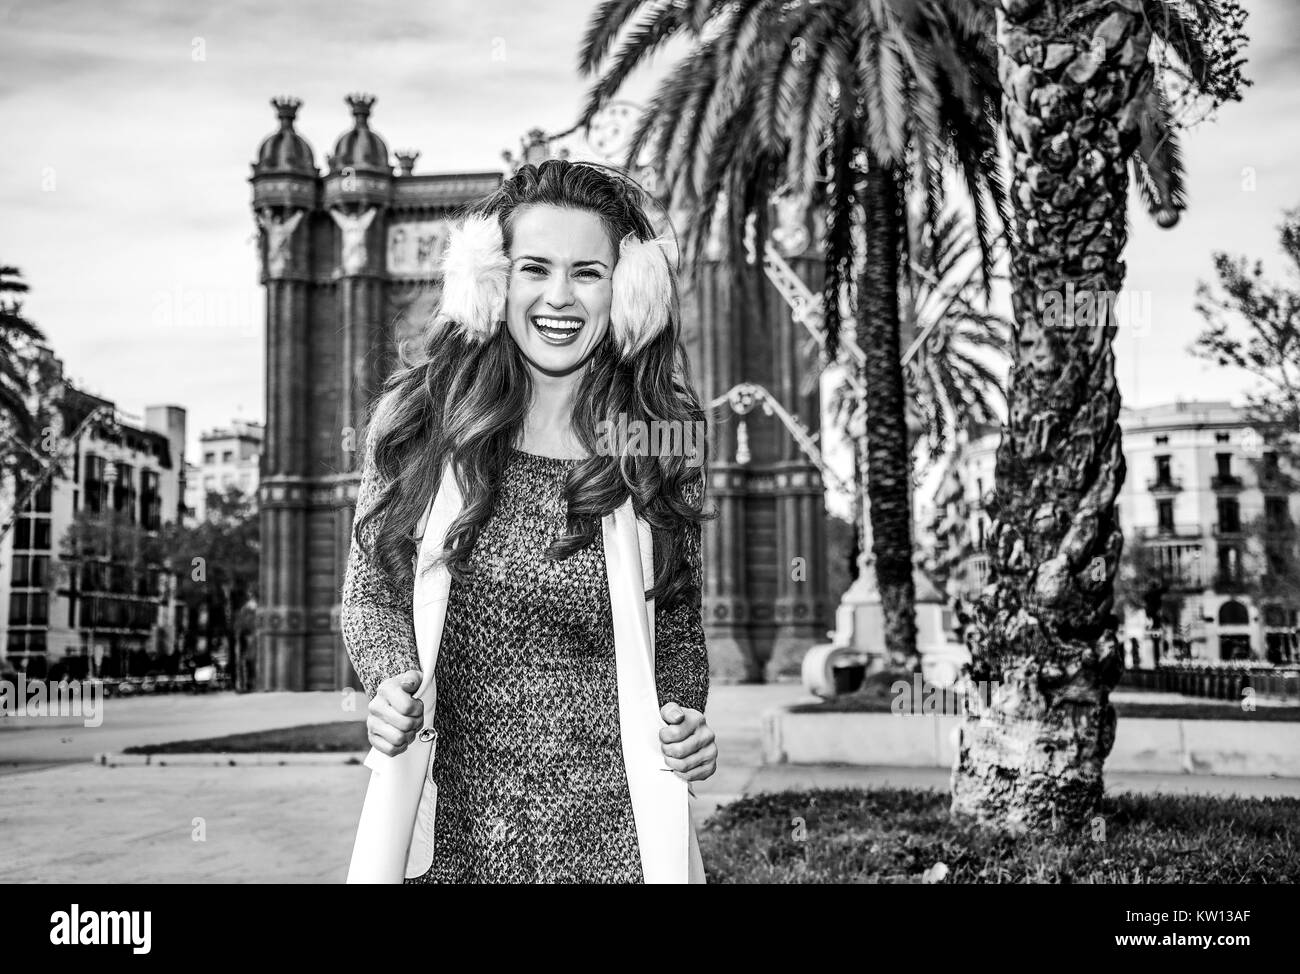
{"points": [[1225, 481], [1171, 531], [1229, 581], [1165, 485], [1179, 565], [1227, 531]]}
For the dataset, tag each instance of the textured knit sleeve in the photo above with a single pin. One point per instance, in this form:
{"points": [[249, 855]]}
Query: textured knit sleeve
{"points": [[376, 618], [681, 659]]}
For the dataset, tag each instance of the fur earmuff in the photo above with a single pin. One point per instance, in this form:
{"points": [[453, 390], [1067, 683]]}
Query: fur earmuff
{"points": [[476, 274], [643, 292]]}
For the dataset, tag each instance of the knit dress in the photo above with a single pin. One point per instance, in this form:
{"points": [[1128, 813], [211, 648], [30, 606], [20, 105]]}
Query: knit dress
{"points": [[528, 762]]}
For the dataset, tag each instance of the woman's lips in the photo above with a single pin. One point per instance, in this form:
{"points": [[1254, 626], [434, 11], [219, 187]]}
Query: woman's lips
{"points": [[557, 329]]}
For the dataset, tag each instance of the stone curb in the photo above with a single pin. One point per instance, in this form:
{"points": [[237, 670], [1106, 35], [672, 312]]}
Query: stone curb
{"points": [[1143, 745], [219, 760]]}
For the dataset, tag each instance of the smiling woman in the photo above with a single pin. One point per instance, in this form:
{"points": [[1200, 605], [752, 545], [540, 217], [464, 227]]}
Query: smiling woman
{"points": [[521, 592], [561, 287]]}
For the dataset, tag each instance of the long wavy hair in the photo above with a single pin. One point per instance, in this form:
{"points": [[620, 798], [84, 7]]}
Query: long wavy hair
{"points": [[466, 401]]}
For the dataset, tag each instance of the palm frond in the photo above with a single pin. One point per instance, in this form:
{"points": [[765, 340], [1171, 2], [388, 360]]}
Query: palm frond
{"points": [[1158, 164]]}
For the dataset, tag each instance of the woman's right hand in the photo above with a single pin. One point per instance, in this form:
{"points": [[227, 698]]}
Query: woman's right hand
{"points": [[395, 714]]}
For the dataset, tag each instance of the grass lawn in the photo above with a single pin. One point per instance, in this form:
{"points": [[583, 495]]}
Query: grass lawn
{"points": [[892, 835], [314, 738]]}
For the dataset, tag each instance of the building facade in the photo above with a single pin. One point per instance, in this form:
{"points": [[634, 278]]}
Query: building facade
{"points": [[1207, 511], [229, 456], [350, 264], [99, 615]]}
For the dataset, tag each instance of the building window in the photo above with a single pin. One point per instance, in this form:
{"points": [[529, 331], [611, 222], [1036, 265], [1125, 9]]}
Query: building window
{"points": [[124, 490], [209, 458], [29, 609], [32, 532], [1222, 437], [1165, 514], [1276, 513], [95, 486], [1163, 473], [31, 571], [42, 501], [150, 500], [1233, 613], [227, 456], [1229, 515], [1229, 565], [1224, 461]]}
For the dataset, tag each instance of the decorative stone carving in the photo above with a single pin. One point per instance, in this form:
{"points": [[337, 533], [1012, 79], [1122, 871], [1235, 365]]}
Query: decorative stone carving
{"points": [[278, 234], [414, 248], [354, 238]]}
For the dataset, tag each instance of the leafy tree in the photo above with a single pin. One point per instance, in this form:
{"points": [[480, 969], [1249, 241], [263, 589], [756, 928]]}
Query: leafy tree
{"points": [[1253, 324], [215, 564]]}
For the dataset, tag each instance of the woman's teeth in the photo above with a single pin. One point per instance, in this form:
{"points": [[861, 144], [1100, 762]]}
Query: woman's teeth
{"points": [[558, 330]]}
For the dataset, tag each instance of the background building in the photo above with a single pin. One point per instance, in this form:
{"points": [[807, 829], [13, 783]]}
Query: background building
{"points": [[347, 258], [229, 456], [1207, 511], [97, 617]]}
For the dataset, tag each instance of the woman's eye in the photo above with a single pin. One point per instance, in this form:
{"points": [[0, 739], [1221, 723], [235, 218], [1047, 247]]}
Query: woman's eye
{"points": [[534, 269], [589, 275]]}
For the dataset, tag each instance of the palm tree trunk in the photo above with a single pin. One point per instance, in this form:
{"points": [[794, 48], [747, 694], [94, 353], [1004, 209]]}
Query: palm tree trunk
{"points": [[888, 460], [1045, 629]]}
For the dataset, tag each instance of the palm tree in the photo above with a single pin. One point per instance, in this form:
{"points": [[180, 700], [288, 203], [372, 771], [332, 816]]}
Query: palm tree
{"points": [[1082, 105], [22, 370], [956, 350], [959, 347], [850, 104]]}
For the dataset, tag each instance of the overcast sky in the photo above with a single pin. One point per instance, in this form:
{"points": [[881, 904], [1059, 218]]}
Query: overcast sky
{"points": [[129, 129]]}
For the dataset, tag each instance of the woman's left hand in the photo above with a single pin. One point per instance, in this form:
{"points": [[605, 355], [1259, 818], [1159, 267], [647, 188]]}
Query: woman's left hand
{"points": [[687, 743]]}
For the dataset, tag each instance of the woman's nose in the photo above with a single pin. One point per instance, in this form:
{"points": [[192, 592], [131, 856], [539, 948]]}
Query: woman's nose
{"points": [[559, 292]]}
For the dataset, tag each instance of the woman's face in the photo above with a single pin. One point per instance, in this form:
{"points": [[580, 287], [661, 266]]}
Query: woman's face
{"points": [[561, 286]]}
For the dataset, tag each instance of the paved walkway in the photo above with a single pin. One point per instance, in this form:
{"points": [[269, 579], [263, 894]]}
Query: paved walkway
{"points": [[68, 820], [157, 719]]}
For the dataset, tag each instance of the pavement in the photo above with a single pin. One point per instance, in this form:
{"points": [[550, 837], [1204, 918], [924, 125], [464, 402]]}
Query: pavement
{"points": [[67, 819]]}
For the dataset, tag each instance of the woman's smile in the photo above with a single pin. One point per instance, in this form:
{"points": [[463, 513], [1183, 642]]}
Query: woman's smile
{"points": [[558, 329]]}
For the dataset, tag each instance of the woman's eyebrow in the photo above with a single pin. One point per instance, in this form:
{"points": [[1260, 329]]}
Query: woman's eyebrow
{"points": [[576, 263]]}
